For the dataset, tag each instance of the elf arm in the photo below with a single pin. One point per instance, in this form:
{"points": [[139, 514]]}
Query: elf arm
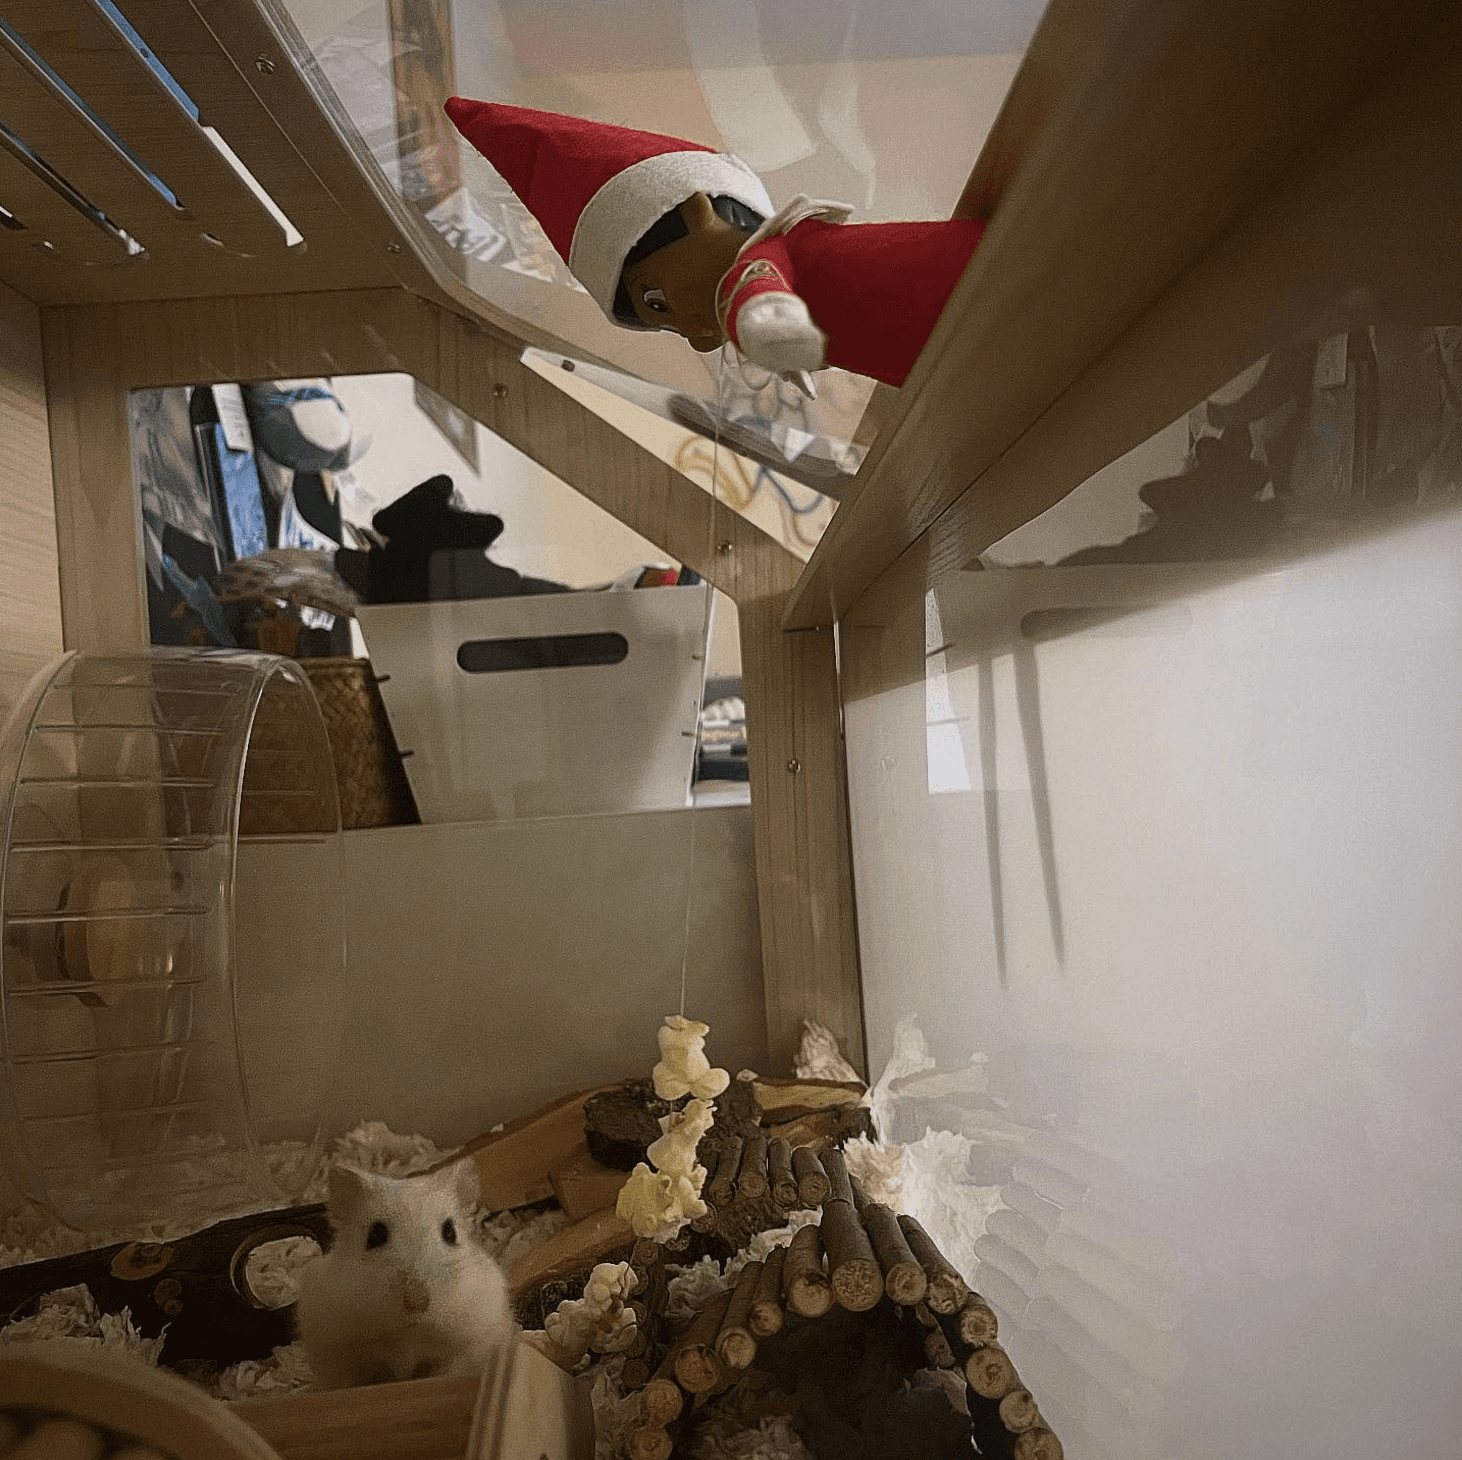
{"points": [[764, 317]]}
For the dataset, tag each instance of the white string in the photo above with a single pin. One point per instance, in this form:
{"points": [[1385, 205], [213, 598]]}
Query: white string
{"points": [[705, 664]]}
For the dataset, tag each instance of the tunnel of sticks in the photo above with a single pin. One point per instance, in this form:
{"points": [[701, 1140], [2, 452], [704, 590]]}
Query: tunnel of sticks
{"points": [[858, 1258]]}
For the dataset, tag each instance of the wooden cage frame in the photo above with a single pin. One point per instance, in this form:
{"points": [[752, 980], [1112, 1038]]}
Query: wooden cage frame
{"points": [[1182, 184]]}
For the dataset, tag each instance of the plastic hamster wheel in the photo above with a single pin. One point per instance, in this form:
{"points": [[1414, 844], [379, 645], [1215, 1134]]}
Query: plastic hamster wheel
{"points": [[139, 1063]]}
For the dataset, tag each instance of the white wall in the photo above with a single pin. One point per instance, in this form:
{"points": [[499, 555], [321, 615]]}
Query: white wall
{"points": [[1224, 1112]]}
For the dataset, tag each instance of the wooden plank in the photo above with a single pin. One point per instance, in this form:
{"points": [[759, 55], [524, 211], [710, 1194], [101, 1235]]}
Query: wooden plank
{"points": [[199, 341], [1376, 207], [571, 1250], [516, 1165], [88, 52], [103, 602], [30, 599], [418, 1419], [45, 118], [584, 1185], [48, 217], [800, 827], [1180, 100]]}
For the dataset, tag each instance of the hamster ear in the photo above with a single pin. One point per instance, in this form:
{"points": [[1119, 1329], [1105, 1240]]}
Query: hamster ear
{"points": [[460, 1178], [349, 1189]]}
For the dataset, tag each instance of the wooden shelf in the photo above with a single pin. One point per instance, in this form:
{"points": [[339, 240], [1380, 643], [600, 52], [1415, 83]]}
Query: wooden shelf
{"points": [[1152, 132]]}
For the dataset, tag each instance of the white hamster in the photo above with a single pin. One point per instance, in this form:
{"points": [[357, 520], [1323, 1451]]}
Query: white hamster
{"points": [[407, 1289]]}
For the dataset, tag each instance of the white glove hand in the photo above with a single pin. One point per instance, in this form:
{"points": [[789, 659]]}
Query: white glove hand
{"points": [[776, 332]]}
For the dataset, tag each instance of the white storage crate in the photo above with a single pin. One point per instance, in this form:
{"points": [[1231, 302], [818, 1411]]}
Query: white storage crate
{"points": [[549, 705]]}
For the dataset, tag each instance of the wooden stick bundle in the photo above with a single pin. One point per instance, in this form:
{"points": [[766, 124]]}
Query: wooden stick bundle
{"points": [[805, 1285], [722, 1188], [904, 1279], [947, 1289], [697, 1368], [812, 1183], [766, 1303], [649, 1442], [751, 1177], [706, 1222], [857, 1279], [736, 1344], [977, 1322], [1038, 1444], [662, 1399], [938, 1349], [840, 1184], [644, 1254], [784, 1183], [1018, 1411], [635, 1372], [990, 1373]]}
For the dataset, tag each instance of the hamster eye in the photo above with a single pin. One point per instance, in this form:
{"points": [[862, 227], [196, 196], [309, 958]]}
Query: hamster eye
{"points": [[655, 301], [378, 1235], [449, 1232]]}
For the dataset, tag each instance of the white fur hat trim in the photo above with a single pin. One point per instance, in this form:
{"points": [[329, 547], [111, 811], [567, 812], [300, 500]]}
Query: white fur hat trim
{"points": [[621, 212]]}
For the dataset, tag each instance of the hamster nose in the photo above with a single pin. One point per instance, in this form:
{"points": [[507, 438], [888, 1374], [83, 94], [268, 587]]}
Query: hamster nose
{"points": [[416, 1298]]}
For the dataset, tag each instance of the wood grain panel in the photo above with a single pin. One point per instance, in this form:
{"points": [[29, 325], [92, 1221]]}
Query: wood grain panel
{"points": [[349, 251], [81, 152], [30, 603], [103, 605], [75, 239], [1178, 118], [195, 342], [1376, 209], [800, 824], [87, 51], [804, 886]]}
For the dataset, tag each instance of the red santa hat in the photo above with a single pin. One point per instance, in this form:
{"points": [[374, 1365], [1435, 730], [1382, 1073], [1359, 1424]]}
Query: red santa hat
{"points": [[596, 189]]}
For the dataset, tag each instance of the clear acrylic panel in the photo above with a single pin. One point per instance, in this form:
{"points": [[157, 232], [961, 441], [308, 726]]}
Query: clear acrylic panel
{"points": [[562, 706], [884, 108], [1155, 869]]}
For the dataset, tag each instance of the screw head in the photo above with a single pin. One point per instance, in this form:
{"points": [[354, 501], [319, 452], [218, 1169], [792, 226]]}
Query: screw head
{"points": [[393, 247], [500, 392], [725, 547], [793, 766], [264, 64]]}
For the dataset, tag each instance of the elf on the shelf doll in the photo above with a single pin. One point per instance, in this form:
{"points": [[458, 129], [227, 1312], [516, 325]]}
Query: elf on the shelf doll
{"points": [[666, 234]]}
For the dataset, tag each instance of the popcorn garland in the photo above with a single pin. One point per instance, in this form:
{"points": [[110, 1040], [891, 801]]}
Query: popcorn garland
{"points": [[684, 1068], [658, 1202], [599, 1320]]}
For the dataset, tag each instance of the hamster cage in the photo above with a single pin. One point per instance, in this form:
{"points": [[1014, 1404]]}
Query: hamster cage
{"points": [[1170, 843]]}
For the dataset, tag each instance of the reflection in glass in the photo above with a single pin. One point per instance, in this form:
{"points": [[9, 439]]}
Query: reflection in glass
{"points": [[368, 528], [1337, 431]]}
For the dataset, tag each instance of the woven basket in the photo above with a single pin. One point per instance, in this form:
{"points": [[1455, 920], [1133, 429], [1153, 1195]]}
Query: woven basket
{"points": [[369, 774]]}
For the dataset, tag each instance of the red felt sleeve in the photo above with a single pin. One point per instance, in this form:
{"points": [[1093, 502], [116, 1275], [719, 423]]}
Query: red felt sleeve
{"points": [[765, 268]]}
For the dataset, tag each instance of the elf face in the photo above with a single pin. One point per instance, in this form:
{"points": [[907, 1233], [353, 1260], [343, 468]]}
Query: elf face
{"points": [[675, 288]]}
